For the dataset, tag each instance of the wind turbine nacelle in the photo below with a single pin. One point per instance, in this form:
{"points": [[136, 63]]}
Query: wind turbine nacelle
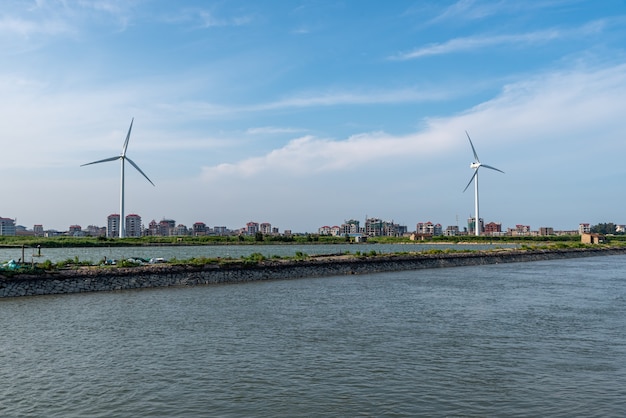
{"points": [[474, 165]]}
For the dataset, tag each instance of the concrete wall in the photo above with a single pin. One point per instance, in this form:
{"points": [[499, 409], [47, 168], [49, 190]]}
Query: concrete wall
{"points": [[96, 279]]}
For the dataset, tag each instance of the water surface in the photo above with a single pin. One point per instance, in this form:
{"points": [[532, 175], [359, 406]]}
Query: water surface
{"points": [[525, 339]]}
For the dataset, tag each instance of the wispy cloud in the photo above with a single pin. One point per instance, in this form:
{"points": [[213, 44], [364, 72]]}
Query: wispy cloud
{"points": [[57, 17], [478, 42], [560, 106], [308, 155], [312, 100], [269, 130], [209, 20], [345, 97], [469, 10], [205, 19], [27, 28], [472, 43]]}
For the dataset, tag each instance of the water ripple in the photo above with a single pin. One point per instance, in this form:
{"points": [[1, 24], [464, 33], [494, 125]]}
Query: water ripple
{"points": [[529, 339]]}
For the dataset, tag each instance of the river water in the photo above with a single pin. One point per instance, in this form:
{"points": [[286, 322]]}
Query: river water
{"points": [[543, 338]]}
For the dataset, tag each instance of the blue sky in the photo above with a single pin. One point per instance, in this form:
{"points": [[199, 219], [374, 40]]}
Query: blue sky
{"points": [[307, 113]]}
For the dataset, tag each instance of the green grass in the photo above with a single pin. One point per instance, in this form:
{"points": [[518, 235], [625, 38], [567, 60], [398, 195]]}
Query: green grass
{"points": [[256, 258]]}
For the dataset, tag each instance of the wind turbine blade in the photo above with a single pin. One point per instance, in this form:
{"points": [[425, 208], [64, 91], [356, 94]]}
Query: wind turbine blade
{"points": [[472, 145], [493, 168], [102, 161], [471, 180], [127, 137], [139, 169]]}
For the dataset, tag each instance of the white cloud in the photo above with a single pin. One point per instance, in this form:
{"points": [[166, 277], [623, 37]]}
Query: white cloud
{"points": [[206, 19], [269, 130], [28, 28], [478, 42], [468, 10], [472, 43], [309, 155], [562, 106], [337, 98]]}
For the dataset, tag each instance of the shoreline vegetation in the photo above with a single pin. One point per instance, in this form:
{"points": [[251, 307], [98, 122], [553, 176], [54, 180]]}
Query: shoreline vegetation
{"points": [[260, 239], [525, 244], [74, 276]]}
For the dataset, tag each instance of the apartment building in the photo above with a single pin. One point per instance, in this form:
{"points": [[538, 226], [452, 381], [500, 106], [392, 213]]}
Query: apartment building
{"points": [[265, 228], [113, 225], [428, 228], [199, 228], [471, 225], [350, 227], [451, 231], [584, 229], [133, 226], [7, 226], [252, 228], [493, 228], [75, 231], [329, 230], [38, 230]]}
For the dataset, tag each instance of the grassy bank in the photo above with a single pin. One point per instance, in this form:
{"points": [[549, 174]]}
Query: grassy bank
{"points": [[67, 242], [254, 259]]}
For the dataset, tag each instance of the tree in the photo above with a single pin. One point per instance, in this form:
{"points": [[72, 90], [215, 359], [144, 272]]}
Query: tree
{"points": [[603, 228]]}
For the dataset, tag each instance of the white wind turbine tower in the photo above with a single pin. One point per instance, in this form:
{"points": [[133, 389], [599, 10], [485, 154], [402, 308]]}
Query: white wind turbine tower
{"points": [[476, 165], [122, 157]]}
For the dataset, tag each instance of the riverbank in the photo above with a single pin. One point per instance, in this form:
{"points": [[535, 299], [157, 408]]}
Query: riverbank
{"points": [[96, 279]]}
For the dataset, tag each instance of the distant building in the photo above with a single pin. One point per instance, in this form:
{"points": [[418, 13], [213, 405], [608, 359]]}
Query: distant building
{"points": [[471, 225], [38, 230], [220, 230], [324, 230], [588, 238], [199, 228], [374, 227], [75, 231], [545, 230], [252, 228], [180, 230], [7, 226], [493, 228], [519, 231], [584, 229], [113, 225], [266, 228], [133, 225], [350, 227], [166, 227], [21, 230], [96, 231], [428, 229], [451, 231]]}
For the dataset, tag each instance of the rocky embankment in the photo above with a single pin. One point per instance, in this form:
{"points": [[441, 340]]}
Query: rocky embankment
{"points": [[96, 279]]}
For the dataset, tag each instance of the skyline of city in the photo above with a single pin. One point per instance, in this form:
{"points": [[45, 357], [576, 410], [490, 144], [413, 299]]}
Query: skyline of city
{"points": [[137, 228]]}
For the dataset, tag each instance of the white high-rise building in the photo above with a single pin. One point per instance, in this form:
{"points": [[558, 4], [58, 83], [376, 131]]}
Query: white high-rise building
{"points": [[7, 226], [113, 225], [133, 225]]}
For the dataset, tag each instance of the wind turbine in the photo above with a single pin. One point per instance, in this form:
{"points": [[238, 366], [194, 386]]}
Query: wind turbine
{"points": [[475, 166], [123, 158]]}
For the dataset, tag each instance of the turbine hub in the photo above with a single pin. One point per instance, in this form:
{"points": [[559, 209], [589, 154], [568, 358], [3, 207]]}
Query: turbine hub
{"points": [[474, 165]]}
